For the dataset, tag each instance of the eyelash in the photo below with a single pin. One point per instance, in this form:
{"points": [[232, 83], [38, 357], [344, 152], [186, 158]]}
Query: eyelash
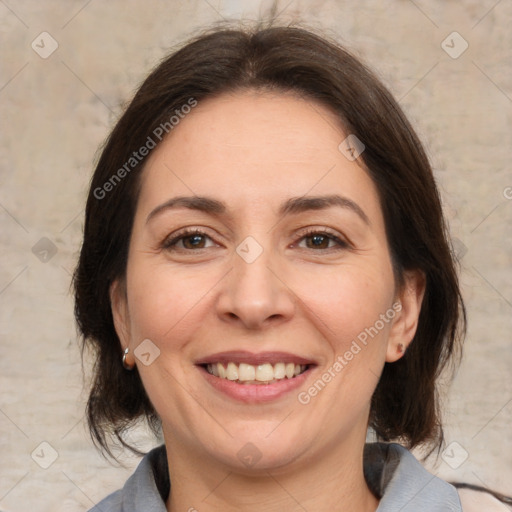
{"points": [[170, 243]]}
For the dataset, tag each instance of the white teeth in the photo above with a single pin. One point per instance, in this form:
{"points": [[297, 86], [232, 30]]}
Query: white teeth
{"points": [[279, 371], [232, 371], [246, 372], [251, 374], [264, 372]]}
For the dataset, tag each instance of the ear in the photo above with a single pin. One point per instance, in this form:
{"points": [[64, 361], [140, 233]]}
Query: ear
{"points": [[119, 305], [407, 306]]}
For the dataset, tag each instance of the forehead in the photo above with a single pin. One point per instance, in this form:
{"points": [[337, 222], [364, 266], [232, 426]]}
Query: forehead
{"points": [[255, 148]]}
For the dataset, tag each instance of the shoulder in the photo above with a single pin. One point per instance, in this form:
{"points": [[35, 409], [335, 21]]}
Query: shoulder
{"points": [[477, 501], [112, 503], [146, 490], [402, 483]]}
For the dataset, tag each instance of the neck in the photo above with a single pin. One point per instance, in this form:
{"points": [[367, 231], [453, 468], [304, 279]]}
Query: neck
{"points": [[334, 481]]}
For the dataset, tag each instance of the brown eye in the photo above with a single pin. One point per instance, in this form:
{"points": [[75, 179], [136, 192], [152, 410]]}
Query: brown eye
{"points": [[321, 241], [188, 241], [317, 242], [193, 242]]}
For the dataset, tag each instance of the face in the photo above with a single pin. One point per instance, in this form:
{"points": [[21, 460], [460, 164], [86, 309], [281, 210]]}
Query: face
{"points": [[259, 302]]}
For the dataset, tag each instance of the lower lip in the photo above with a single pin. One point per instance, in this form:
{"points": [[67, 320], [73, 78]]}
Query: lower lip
{"points": [[255, 393]]}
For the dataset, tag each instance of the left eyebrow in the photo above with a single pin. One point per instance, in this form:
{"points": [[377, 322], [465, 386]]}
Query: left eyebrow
{"points": [[303, 204]]}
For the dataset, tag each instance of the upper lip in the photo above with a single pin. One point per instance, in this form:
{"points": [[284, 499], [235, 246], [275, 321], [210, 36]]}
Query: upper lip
{"points": [[243, 356]]}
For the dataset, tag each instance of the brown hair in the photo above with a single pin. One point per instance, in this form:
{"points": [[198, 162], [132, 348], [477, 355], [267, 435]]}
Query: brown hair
{"points": [[405, 404]]}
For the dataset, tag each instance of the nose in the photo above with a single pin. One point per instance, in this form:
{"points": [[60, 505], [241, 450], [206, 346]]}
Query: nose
{"points": [[255, 295]]}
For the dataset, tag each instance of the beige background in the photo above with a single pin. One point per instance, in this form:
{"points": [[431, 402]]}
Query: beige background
{"points": [[57, 110]]}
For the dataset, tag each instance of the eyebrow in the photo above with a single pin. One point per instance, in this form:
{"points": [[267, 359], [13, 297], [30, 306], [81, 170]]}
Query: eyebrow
{"points": [[303, 204], [293, 205]]}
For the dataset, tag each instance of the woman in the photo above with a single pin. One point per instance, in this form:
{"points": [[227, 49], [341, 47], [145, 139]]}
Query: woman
{"points": [[265, 274]]}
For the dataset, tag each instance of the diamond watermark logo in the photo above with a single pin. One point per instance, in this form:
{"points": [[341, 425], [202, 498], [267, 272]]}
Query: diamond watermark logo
{"points": [[44, 250], [147, 352], [44, 45], [454, 455], [351, 147], [44, 455], [249, 454], [249, 250], [459, 248], [454, 45]]}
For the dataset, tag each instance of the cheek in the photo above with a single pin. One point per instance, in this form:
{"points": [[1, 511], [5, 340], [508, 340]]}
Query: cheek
{"points": [[346, 301], [346, 307], [169, 305], [353, 310]]}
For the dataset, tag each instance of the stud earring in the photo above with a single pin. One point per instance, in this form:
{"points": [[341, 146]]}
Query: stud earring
{"points": [[125, 364], [400, 348]]}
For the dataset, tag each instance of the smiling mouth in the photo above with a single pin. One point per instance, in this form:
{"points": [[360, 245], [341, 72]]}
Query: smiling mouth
{"points": [[265, 373]]}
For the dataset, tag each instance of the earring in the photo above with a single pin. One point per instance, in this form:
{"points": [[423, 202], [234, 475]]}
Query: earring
{"points": [[400, 348], [125, 364]]}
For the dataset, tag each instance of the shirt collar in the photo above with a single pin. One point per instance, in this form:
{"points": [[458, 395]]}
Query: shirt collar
{"points": [[405, 484], [391, 471]]}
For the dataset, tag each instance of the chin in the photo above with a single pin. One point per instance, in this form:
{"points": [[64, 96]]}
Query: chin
{"points": [[252, 449]]}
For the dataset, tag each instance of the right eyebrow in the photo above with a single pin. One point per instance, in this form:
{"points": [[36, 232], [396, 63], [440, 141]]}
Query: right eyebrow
{"points": [[203, 204]]}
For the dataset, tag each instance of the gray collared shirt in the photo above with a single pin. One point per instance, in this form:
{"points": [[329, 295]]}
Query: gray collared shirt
{"points": [[393, 474]]}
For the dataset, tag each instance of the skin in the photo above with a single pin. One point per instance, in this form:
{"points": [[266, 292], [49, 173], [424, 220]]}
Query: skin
{"points": [[253, 151]]}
